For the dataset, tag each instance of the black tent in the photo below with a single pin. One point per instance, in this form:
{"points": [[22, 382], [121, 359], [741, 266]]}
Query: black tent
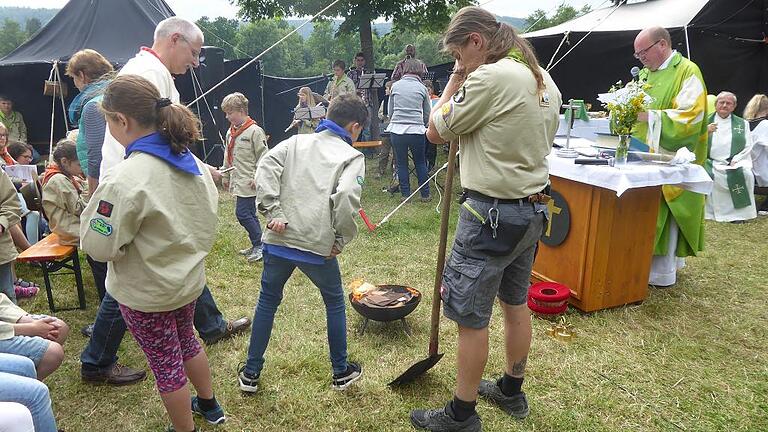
{"points": [[115, 28], [724, 37]]}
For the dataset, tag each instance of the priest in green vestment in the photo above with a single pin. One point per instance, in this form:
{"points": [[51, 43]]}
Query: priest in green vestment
{"points": [[677, 118]]}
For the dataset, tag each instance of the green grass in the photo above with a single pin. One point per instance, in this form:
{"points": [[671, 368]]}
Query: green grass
{"points": [[689, 358]]}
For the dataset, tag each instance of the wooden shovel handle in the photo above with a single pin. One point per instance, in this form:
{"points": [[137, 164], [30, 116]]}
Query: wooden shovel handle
{"points": [[445, 213]]}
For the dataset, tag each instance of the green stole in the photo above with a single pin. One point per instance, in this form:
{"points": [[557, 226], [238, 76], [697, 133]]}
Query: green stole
{"points": [[737, 183]]}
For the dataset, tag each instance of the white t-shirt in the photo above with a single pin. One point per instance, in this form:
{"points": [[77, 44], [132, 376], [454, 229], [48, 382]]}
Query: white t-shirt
{"points": [[148, 66]]}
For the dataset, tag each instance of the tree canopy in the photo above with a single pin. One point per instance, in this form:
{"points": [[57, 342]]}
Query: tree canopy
{"points": [[538, 19]]}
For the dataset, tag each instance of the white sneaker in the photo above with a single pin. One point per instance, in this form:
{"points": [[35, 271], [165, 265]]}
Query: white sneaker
{"points": [[256, 255], [245, 252]]}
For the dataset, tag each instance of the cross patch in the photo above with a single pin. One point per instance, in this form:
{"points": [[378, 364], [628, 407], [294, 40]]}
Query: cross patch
{"points": [[738, 189], [738, 129]]}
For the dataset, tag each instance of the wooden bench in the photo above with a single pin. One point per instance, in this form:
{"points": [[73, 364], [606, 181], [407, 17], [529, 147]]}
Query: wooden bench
{"points": [[366, 144], [52, 257]]}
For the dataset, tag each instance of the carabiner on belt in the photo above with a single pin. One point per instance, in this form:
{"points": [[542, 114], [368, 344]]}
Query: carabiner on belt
{"points": [[493, 217]]}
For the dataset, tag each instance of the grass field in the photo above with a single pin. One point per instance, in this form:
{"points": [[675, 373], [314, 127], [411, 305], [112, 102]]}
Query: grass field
{"points": [[690, 358]]}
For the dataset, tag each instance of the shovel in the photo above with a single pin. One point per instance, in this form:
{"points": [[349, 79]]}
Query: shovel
{"points": [[423, 366]]}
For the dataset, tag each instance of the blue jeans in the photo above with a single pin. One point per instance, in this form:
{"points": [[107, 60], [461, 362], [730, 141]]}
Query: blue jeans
{"points": [[109, 328], [6, 281], [416, 145], [245, 211], [328, 279], [18, 383]]}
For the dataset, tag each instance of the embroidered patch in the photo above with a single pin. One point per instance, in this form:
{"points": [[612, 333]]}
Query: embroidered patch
{"points": [[446, 111], [105, 208], [101, 226], [360, 180], [459, 96], [544, 99]]}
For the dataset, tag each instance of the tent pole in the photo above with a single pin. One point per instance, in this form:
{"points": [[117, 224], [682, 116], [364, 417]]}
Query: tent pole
{"points": [[687, 43]]}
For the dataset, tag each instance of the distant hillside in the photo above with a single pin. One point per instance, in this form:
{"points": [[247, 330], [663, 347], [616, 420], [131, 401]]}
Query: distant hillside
{"points": [[518, 23], [22, 14]]}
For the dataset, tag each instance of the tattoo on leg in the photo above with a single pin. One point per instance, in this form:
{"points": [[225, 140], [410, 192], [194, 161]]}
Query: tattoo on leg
{"points": [[518, 368]]}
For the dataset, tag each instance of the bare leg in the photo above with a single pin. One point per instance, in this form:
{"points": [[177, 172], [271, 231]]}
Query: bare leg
{"points": [[51, 360], [178, 408], [471, 358], [517, 334], [199, 373], [19, 239]]}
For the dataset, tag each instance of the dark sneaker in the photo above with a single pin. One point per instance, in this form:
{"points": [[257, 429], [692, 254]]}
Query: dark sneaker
{"points": [[118, 375], [87, 331], [515, 405], [233, 328], [353, 373], [255, 256], [248, 382], [438, 420], [214, 416]]}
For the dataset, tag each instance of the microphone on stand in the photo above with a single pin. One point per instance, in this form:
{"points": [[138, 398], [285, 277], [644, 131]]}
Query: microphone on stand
{"points": [[635, 71]]}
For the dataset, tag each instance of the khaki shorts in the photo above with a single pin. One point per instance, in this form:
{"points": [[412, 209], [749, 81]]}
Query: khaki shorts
{"points": [[472, 279]]}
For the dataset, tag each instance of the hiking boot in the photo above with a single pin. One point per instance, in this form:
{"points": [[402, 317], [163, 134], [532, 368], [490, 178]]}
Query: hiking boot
{"points": [[117, 375], [212, 416], [426, 199], [245, 252], [515, 405], [248, 382], [343, 380], [438, 420], [256, 255], [87, 331], [233, 328]]}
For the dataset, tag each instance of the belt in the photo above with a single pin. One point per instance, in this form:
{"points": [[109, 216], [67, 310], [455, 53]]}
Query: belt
{"points": [[537, 197]]}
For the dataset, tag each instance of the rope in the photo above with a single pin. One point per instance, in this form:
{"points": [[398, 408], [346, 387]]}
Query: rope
{"points": [[61, 97], [206, 153], [53, 112], [621, 3], [562, 41], [266, 51]]}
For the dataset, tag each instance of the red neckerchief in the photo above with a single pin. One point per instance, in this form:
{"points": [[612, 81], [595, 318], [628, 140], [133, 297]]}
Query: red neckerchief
{"points": [[235, 132], [8, 159], [153, 52], [54, 169]]}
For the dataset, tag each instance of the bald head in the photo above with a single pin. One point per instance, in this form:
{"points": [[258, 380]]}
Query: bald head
{"points": [[653, 46]]}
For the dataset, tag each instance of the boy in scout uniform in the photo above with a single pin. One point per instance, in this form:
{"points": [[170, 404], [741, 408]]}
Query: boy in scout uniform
{"points": [[503, 109], [339, 83], [246, 144]]}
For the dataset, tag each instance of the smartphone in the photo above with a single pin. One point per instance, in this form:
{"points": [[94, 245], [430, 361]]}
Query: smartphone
{"points": [[227, 170]]}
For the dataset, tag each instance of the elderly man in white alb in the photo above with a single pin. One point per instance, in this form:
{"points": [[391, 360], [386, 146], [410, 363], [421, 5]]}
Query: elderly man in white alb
{"points": [[729, 164]]}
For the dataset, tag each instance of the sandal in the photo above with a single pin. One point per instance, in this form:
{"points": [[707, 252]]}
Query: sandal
{"points": [[25, 292], [25, 284]]}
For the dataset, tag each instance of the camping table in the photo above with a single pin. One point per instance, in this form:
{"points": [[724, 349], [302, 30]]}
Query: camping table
{"points": [[599, 241]]}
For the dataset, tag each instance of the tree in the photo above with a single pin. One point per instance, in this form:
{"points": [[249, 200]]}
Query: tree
{"points": [[32, 26], [11, 36], [322, 47], [424, 15], [538, 19], [285, 59], [222, 33]]}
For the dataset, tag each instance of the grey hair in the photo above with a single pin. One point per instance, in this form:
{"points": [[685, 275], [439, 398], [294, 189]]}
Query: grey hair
{"points": [[189, 30], [727, 93]]}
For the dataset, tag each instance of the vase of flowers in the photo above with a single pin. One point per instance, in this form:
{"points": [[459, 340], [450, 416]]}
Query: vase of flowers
{"points": [[624, 103]]}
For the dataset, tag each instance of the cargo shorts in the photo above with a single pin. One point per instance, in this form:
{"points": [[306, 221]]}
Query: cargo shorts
{"points": [[472, 279]]}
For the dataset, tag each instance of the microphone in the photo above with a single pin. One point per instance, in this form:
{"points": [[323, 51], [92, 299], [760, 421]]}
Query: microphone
{"points": [[635, 71]]}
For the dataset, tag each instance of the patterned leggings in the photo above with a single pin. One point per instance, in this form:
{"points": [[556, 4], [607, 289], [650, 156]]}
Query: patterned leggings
{"points": [[168, 340]]}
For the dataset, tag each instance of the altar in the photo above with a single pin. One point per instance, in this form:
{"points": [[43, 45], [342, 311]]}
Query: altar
{"points": [[599, 240]]}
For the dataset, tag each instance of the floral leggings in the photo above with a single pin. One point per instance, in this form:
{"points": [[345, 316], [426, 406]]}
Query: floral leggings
{"points": [[168, 340]]}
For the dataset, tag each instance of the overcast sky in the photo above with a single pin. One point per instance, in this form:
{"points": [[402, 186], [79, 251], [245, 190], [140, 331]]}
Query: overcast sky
{"points": [[194, 9]]}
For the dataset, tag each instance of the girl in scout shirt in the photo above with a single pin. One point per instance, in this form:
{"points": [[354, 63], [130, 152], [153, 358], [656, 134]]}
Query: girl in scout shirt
{"points": [[150, 218], [246, 144]]}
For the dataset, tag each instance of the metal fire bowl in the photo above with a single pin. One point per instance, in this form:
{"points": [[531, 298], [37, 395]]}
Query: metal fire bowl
{"points": [[386, 314]]}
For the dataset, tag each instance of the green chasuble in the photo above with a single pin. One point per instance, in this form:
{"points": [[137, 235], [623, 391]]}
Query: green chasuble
{"points": [[677, 118], [737, 182]]}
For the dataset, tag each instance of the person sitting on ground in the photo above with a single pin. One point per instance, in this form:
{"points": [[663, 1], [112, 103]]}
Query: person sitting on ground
{"points": [[729, 164], [756, 112], [90, 72], [18, 385], [410, 108], [306, 100], [40, 338], [339, 83], [410, 54], [286, 187], [13, 120], [154, 219], [246, 144], [20, 152]]}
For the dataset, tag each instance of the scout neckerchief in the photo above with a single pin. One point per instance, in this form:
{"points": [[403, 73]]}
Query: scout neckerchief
{"points": [[53, 169], [158, 146], [7, 158], [326, 124], [235, 132], [737, 183]]}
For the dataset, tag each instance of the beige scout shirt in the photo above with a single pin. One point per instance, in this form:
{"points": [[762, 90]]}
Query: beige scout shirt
{"points": [[155, 225], [314, 183], [63, 206], [10, 215], [505, 128], [249, 148], [9, 315], [339, 86]]}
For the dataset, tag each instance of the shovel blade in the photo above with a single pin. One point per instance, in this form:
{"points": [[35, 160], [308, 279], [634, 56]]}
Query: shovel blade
{"points": [[416, 370]]}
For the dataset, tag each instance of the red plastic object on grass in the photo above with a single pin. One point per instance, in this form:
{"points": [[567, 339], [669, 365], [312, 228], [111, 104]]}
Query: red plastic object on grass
{"points": [[548, 298], [367, 221]]}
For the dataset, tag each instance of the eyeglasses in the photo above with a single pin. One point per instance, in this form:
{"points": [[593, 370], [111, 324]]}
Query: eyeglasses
{"points": [[642, 53], [195, 53]]}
